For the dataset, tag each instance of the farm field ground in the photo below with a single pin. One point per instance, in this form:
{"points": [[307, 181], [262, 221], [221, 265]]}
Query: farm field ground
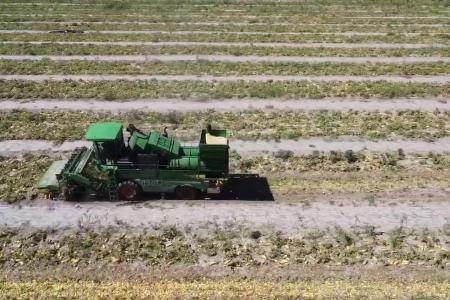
{"points": [[342, 105]]}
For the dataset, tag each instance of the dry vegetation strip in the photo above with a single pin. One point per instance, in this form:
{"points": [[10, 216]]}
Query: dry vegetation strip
{"points": [[290, 177], [201, 67], [223, 37], [220, 26], [251, 125], [317, 18], [156, 49], [110, 90], [229, 247], [345, 289]]}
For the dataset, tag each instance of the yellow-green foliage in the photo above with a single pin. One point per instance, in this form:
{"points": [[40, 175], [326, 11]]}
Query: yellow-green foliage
{"points": [[231, 50], [244, 125], [341, 289], [123, 89], [18, 176]]}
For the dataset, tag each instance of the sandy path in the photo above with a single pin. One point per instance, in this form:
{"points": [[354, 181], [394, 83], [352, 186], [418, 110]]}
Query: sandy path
{"points": [[190, 32], [239, 44], [233, 58], [251, 148], [157, 105], [212, 23], [228, 16], [442, 79], [291, 219]]}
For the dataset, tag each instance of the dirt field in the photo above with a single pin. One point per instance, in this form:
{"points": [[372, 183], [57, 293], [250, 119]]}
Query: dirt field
{"points": [[342, 108]]}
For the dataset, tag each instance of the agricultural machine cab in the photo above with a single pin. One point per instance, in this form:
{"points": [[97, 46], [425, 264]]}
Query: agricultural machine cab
{"points": [[149, 162], [107, 141]]}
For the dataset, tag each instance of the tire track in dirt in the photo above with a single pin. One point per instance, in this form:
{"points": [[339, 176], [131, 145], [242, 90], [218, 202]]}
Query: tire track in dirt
{"points": [[239, 44], [224, 23], [232, 58], [157, 105], [254, 148], [440, 79], [292, 218], [193, 32], [225, 16]]}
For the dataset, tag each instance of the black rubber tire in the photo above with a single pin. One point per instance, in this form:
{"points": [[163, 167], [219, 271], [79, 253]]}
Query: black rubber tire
{"points": [[186, 192], [129, 191], [67, 194]]}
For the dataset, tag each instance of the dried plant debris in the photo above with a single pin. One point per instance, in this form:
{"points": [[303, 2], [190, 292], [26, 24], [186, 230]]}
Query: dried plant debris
{"points": [[219, 68], [248, 125], [19, 176], [289, 175], [138, 89], [226, 37], [55, 49], [232, 247]]}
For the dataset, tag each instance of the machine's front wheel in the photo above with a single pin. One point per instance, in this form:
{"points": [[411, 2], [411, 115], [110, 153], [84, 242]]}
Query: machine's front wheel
{"points": [[186, 192], [129, 191]]}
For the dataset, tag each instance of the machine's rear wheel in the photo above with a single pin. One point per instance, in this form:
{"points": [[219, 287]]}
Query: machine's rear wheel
{"points": [[186, 192], [67, 194], [129, 191]]}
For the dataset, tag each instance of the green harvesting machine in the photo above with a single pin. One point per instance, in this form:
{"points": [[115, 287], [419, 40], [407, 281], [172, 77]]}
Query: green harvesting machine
{"points": [[146, 163]]}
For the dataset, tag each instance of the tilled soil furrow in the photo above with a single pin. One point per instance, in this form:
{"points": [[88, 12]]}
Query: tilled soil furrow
{"points": [[176, 105], [192, 32], [239, 44], [231, 58], [226, 15], [441, 79], [254, 148], [212, 23], [291, 219]]}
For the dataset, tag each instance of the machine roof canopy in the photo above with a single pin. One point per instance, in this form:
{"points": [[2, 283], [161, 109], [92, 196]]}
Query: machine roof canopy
{"points": [[104, 132]]}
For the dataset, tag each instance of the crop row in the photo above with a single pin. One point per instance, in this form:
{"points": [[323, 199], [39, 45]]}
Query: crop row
{"points": [[122, 89], [223, 37], [227, 289], [244, 125], [337, 3], [437, 15], [224, 27], [219, 68], [289, 176], [217, 9], [295, 11], [46, 16], [55, 49], [226, 247]]}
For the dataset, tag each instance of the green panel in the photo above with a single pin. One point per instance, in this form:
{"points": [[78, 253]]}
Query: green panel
{"points": [[104, 132], [185, 163], [189, 151], [166, 145], [138, 142], [49, 181], [215, 159]]}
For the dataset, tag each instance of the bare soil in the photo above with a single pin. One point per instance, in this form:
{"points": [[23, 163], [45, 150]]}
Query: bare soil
{"points": [[231, 58], [242, 44], [325, 78], [346, 211], [252, 148], [189, 32], [157, 105]]}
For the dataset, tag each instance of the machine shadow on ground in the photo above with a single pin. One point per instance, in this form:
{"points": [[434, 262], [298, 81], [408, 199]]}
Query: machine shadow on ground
{"points": [[246, 187]]}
